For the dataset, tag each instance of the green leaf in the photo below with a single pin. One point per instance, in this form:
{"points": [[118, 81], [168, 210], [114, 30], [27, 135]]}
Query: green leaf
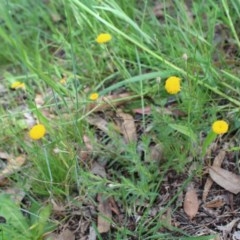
{"points": [[185, 130], [16, 226], [208, 140]]}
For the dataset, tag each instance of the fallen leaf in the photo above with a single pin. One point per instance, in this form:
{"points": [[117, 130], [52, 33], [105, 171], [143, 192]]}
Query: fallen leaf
{"points": [[29, 119], [156, 153], [206, 189], [216, 162], [160, 9], [191, 203], [51, 236], [127, 126], [57, 207], [215, 203], [16, 194], [66, 235], [114, 206], [13, 164], [86, 152], [99, 170], [163, 111], [39, 100], [4, 155], [145, 110], [88, 142], [100, 123], [104, 214], [225, 179]]}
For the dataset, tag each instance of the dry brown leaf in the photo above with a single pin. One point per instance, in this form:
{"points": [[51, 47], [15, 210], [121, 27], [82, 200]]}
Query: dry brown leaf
{"points": [[191, 203], [66, 235], [145, 110], [86, 151], [29, 119], [99, 170], [156, 153], [159, 9], [57, 207], [4, 155], [216, 162], [100, 123], [114, 206], [127, 126], [13, 165], [215, 203], [51, 236], [88, 142], [104, 215], [207, 188], [225, 179], [16, 194], [39, 100]]}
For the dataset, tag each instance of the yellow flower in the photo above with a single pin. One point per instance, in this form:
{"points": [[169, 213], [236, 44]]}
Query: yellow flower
{"points": [[93, 96], [37, 132], [63, 80], [17, 84], [172, 85], [220, 127], [103, 38]]}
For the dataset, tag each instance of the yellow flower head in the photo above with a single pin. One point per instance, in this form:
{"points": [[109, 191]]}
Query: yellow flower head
{"points": [[93, 96], [172, 85], [37, 132], [103, 38], [17, 84], [63, 80], [220, 127]]}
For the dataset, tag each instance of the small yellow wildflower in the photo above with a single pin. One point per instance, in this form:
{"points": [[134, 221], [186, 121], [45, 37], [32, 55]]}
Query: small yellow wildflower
{"points": [[17, 84], [93, 96], [172, 85], [220, 127], [63, 80], [103, 38], [37, 132]]}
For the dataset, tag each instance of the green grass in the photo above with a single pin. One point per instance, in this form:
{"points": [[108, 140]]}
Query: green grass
{"points": [[41, 42]]}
